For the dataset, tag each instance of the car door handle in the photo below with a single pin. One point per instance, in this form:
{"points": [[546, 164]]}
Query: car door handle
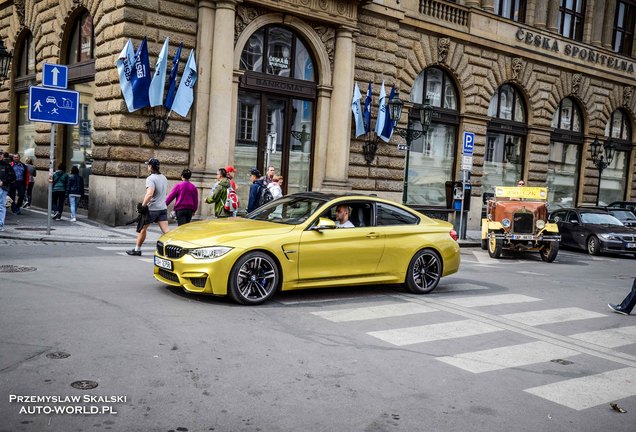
{"points": [[373, 235]]}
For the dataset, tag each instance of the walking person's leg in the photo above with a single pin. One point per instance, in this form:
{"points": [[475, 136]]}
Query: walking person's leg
{"points": [[72, 201], [628, 303], [141, 238], [3, 207], [12, 192], [21, 189], [29, 195]]}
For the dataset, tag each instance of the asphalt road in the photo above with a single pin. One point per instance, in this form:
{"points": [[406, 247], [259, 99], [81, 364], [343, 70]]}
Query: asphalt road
{"points": [[505, 345]]}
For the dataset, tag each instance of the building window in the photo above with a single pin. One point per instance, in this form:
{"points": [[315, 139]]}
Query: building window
{"points": [[511, 9], [614, 179], [505, 140], [80, 44], [432, 158], [564, 159], [24, 77], [571, 18], [624, 23]]}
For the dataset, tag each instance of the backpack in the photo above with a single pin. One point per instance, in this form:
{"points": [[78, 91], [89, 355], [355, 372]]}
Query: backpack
{"points": [[264, 195], [7, 175], [231, 202]]}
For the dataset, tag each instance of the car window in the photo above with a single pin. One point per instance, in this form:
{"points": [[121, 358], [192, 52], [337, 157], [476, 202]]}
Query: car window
{"points": [[600, 219], [622, 214], [288, 210], [558, 216], [391, 215], [573, 217]]}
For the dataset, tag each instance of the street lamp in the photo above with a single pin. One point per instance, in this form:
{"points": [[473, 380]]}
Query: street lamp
{"points": [[425, 115], [5, 60], [602, 155]]}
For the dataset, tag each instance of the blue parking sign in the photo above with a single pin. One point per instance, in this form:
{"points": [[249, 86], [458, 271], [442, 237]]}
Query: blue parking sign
{"points": [[53, 106], [54, 75], [469, 143]]}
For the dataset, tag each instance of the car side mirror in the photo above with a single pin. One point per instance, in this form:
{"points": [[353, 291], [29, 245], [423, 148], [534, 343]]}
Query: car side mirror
{"points": [[323, 224]]}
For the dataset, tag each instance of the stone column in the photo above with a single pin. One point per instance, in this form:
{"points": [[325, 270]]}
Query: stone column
{"points": [[339, 138], [553, 15], [472, 3], [596, 37], [488, 5], [608, 23], [540, 14]]}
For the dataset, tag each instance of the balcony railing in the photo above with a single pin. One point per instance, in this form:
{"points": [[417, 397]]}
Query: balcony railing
{"points": [[444, 11]]}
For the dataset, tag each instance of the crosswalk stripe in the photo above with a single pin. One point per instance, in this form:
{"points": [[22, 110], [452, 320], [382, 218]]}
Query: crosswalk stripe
{"points": [[460, 287], [124, 248], [589, 391], [507, 357], [374, 312], [434, 332], [148, 260], [476, 301], [552, 316], [610, 338]]}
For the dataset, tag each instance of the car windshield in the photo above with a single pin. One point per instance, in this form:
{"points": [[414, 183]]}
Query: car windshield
{"points": [[623, 214], [290, 210], [599, 219]]}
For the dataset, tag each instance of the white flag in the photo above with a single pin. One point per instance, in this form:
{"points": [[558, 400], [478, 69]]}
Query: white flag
{"points": [[357, 111], [379, 121], [125, 64], [155, 93], [185, 93]]}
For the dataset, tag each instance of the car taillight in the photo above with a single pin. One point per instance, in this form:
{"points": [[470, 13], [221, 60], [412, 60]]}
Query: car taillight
{"points": [[453, 234]]}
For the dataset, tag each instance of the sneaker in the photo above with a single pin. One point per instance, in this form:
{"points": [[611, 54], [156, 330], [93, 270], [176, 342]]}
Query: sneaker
{"points": [[2, 229], [617, 309], [73, 220], [133, 252], [26, 205]]}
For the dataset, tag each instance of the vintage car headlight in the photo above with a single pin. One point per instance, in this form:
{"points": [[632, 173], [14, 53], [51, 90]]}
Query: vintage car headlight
{"points": [[608, 236], [209, 252], [540, 224], [505, 222]]}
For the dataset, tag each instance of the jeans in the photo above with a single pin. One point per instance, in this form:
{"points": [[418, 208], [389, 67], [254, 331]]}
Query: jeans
{"points": [[18, 188], [73, 201], [3, 206], [29, 192], [630, 301], [58, 201]]}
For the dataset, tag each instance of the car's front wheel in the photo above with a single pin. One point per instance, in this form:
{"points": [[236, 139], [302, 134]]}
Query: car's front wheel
{"points": [[495, 246], [254, 278], [549, 251], [424, 272], [593, 245]]}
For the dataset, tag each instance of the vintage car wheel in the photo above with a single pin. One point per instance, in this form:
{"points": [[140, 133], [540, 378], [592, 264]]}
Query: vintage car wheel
{"points": [[424, 272], [593, 245], [549, 251], [254, 278], [495, 246]]}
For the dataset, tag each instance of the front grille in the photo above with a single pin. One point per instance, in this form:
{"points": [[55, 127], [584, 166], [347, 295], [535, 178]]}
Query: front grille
{"points": [[199, 282], [160, 248], [174, 251], [523, 223], [168, 275], [628, 238]]}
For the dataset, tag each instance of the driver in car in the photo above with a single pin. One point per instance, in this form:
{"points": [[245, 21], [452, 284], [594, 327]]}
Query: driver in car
{"points": [[342, 217]]}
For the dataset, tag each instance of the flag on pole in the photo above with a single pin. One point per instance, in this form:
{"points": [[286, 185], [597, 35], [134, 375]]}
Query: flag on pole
{"points": [[155, 94], [141, 77], [367, 110], [172, 81], [387, 130], [125, 63], [357, 111], [379, 120], [185, 93]]}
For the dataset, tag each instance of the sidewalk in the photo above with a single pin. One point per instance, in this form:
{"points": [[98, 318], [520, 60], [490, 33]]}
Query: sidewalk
{"points": [[31, 225]]}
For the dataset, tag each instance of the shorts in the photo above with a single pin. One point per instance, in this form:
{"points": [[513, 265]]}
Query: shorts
{"points": [[157, 216]]}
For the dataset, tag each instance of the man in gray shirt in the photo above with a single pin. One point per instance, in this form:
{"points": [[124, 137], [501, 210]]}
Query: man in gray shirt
{"points": [[155, 200]]}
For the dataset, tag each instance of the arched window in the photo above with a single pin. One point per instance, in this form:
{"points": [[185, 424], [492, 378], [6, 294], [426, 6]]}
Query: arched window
{"points": [[614, 179], [79, 56], [505, 140], [24, 77], [564, 160], [432, 157]]}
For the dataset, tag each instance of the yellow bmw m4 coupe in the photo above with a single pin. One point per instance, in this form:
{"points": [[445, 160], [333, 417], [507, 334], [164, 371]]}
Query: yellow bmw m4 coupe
{"points": [[294, 243]]}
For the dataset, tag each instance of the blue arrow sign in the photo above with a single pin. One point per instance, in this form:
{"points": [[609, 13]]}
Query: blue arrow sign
{"points": [[469, 143], [53, 106], [54, 75]]}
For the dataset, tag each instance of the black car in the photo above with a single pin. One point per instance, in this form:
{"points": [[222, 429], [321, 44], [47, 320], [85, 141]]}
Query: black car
{"points": [[594, 230], [627, 217], [629, 205]]}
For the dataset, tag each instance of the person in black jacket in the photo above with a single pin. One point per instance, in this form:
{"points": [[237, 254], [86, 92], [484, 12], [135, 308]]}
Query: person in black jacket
{"points": [[7, 176], [75, 191], [19, 186]]}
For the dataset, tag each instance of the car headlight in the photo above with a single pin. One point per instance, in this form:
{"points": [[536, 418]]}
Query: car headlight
{"points": [[505, 222], [608, 236], [540, 224], [209, 252]]}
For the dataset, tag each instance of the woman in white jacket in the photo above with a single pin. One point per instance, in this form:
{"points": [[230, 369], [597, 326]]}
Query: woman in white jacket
{"points": [[275, 187]]}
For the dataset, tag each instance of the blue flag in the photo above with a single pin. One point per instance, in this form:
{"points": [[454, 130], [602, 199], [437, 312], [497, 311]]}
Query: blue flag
{"points": [[379, 120], [155, 94], [367, 110], [357, 111], [387, 130], [141, 77], [125, 63], [172, 81], [185, 94]]}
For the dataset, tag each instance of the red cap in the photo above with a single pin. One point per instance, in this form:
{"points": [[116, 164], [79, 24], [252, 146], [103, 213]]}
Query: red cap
{"points": [[230, 168]]}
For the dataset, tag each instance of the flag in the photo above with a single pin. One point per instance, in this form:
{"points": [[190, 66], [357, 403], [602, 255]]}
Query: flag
{"points": [[185, 93], [155, 94], [172, 81], [141, 77], [379, 120], [357, 111], [125, 63], [387, 130], [367, 110]]}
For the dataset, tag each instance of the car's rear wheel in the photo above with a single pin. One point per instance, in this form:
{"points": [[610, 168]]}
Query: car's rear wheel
{"points": [[495, 246], [549, 251], [593, 245], [254, 278], [424, 272]]}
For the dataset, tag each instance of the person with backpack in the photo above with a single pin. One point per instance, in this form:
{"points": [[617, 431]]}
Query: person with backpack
{"points": [[259, 192], [75, 191], [219, 194], [7, 176], [60, 184]]}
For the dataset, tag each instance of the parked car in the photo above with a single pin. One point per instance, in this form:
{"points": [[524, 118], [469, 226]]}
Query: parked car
{"points": [[629, 205], [292, 243], [594, 230], [517, 219], [626, 217]]}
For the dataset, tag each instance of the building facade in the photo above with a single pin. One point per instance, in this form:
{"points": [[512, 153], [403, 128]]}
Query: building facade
{"points": [[536, 81]]}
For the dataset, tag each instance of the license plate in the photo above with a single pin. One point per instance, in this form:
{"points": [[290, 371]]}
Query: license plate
{"points": [[631, 245], [163, 263], [522, 237]]}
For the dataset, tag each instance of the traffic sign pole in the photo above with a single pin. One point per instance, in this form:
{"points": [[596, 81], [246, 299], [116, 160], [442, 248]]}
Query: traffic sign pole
{"points": [[51, 164]]}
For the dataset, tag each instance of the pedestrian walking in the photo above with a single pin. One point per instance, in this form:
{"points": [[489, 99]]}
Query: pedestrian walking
{"points": [[153, 204], [628, 303], [275, 187], [32, 174], [219, 194], [187, 198], [256, 185], [75, 191], [19, 186], [269, 175], [231, 173], [60, 185], [7, 176]]}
